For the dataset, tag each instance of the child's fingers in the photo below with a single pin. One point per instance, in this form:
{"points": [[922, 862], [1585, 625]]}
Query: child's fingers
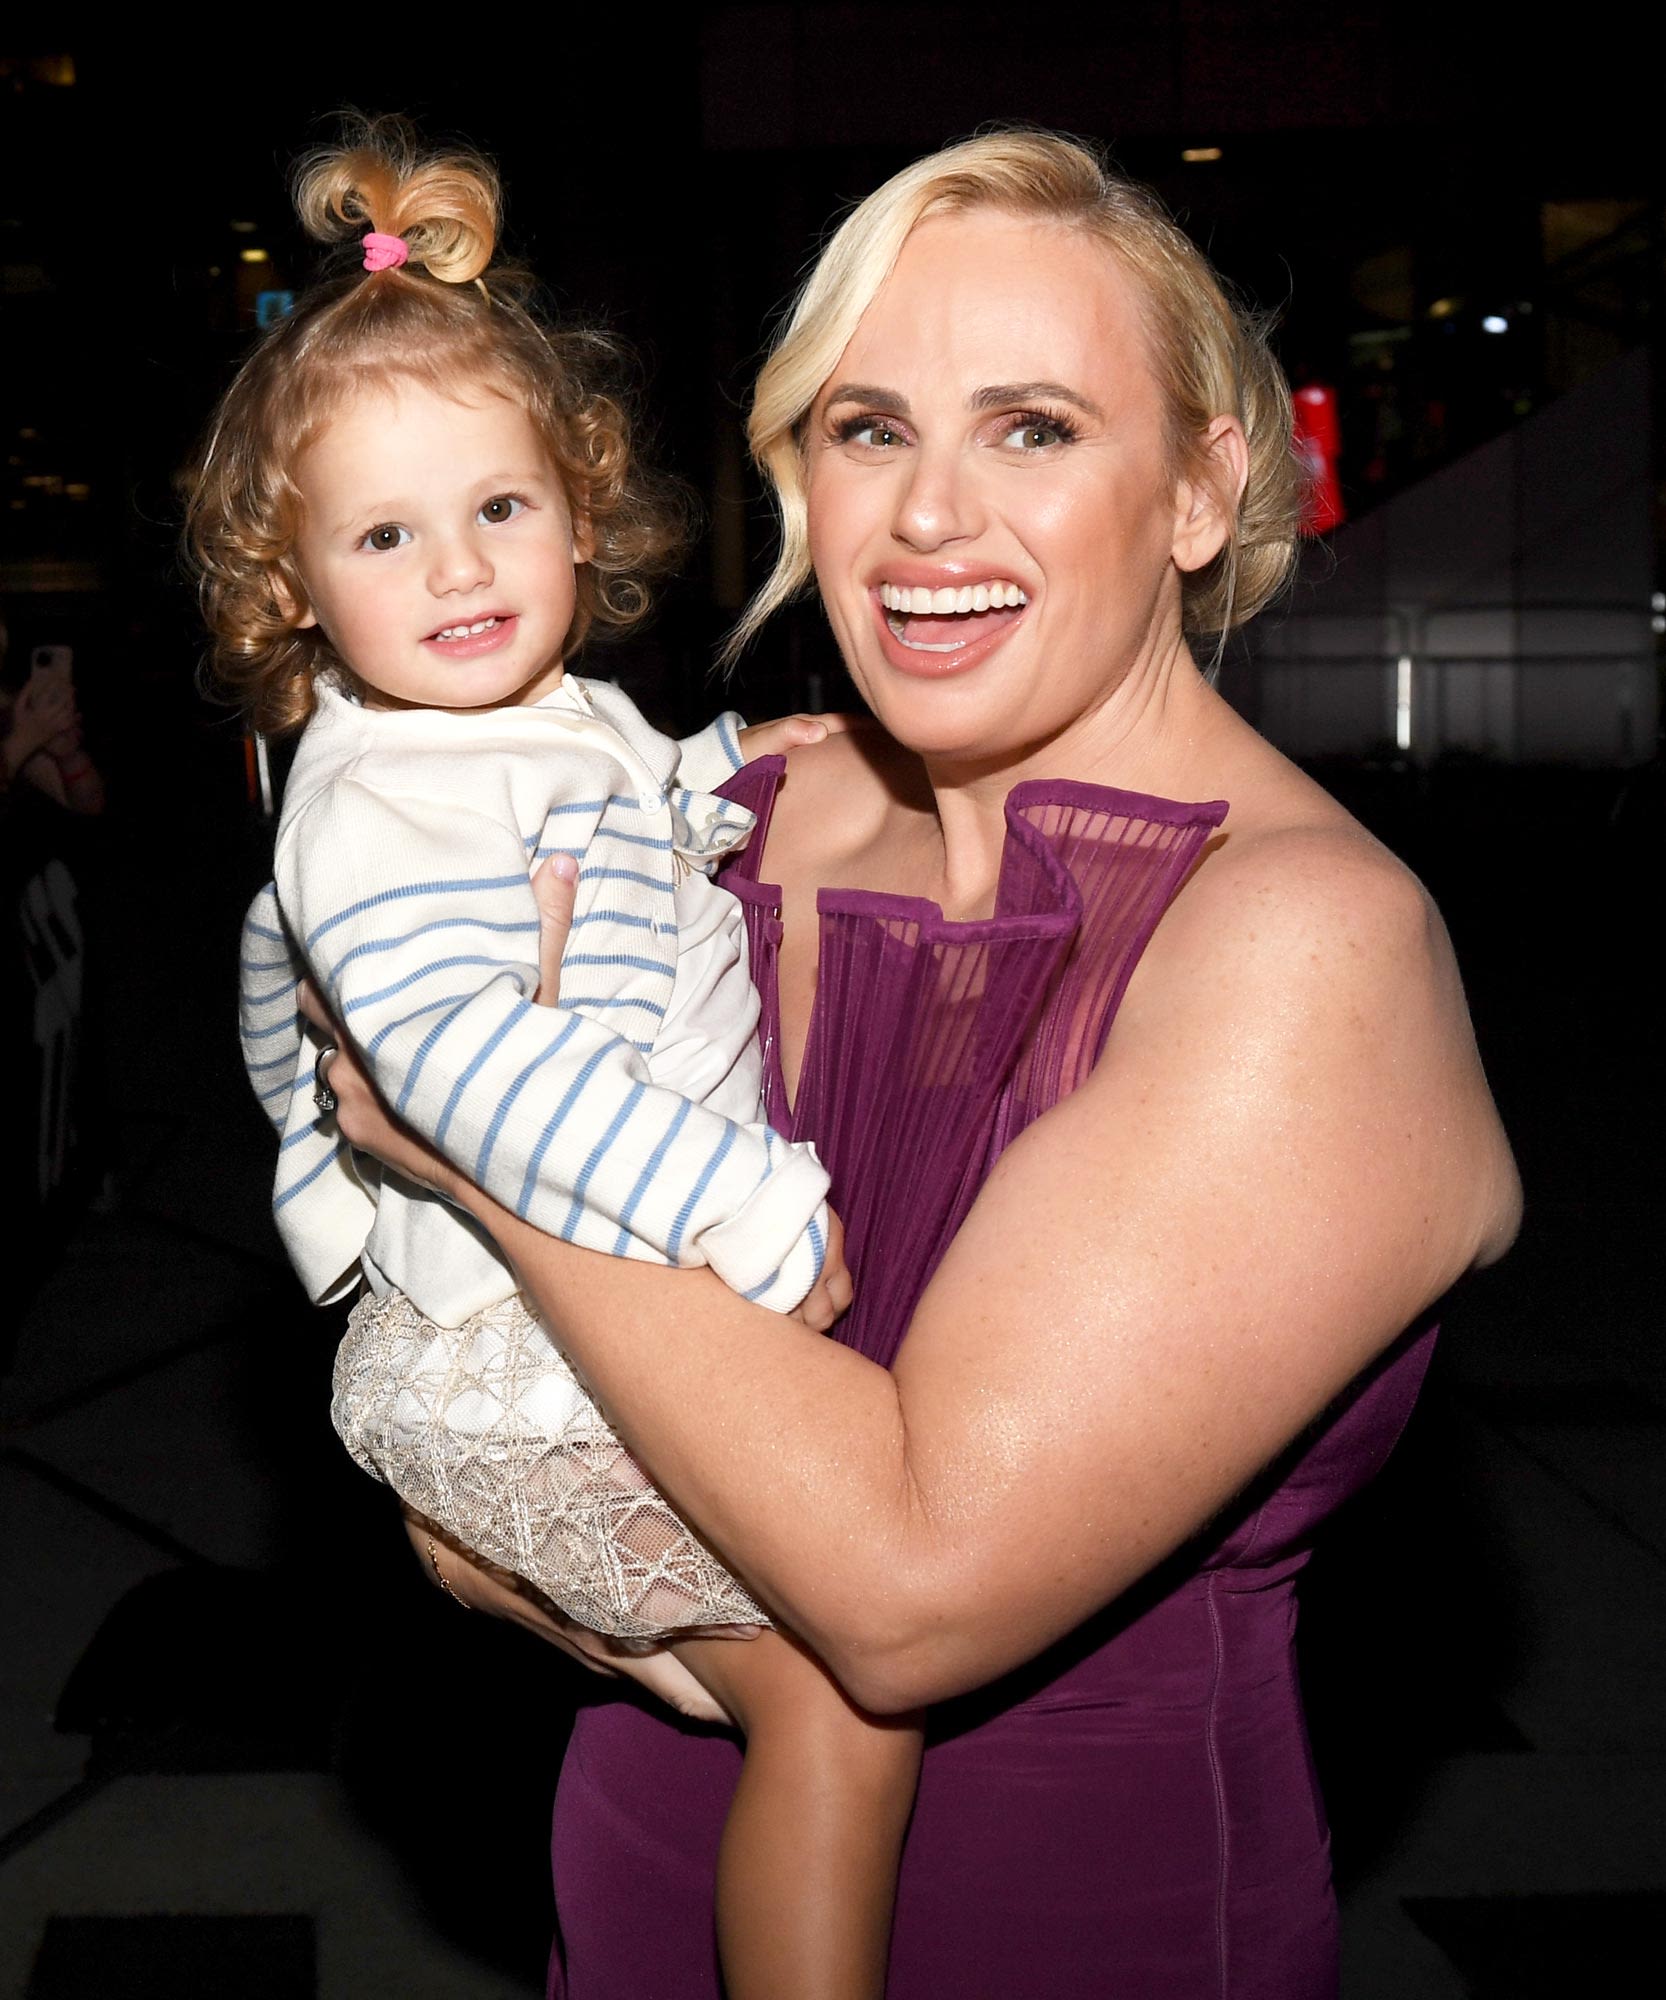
{"points": [[554, 884], [789, 732]]}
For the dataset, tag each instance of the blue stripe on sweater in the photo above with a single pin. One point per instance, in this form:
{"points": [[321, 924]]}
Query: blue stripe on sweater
{"points": [[422, 930], [285, 1061], [531, 840], [422, 972], [575, 1090], [599, 1001], [620, 958], [425, 1049], [305, 1181], [484, 1158], [283, 1027], [624, 918], [651, 1167], [659, 841], [405, 1020], [674, 1246], [470, 1072], [599, 873], [447, 886], [758, 1291], [730, 742], [598, 1153]]}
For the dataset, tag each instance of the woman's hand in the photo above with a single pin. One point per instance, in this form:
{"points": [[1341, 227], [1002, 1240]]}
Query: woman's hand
{"points": [[481, 1586]]}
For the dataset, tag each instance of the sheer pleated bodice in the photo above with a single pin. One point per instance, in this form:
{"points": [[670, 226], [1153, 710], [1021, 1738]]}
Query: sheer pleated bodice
{"points": [[1133, 1813]]}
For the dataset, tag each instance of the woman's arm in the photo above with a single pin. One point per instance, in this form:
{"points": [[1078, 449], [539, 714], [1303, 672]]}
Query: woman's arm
{"points": [[1286, 1154]]}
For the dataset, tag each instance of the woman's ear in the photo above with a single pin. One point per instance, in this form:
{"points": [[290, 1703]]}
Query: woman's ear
{"points": [[1206, 502], [291, 600]]}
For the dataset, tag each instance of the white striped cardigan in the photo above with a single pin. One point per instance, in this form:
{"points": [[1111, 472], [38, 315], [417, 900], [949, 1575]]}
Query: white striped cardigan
{"points": [[626, 1119]]}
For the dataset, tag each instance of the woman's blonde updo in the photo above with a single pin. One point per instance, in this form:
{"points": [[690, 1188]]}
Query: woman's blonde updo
{"points": [[1210, 357], [449, 319]]}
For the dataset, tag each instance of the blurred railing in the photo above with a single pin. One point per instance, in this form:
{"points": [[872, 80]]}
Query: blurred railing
{"points": [[1563, 682]]}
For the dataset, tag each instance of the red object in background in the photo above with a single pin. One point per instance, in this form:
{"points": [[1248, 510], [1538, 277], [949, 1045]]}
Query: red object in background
{"points": [[1318, 446]]}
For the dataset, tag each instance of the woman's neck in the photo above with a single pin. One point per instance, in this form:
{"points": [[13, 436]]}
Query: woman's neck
{"points": [[1147, 735]]}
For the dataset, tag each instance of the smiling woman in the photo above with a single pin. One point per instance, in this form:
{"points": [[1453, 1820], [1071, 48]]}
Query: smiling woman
{"points": [[1150, 1099]]}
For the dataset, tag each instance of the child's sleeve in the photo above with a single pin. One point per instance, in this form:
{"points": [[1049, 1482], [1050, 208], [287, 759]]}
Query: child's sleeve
{"points": [[419, 923], [711, 756], [323, 1205]]}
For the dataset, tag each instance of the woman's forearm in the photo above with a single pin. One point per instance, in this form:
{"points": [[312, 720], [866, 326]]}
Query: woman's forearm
{"points": [[819, 1511]]}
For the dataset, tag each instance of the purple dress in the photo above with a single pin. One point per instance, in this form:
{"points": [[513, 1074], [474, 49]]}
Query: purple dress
{"points": [[1134, 1813]]}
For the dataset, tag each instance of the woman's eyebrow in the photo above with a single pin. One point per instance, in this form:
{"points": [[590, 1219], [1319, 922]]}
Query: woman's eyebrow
{"points": [[888, 400], [999, 394]]}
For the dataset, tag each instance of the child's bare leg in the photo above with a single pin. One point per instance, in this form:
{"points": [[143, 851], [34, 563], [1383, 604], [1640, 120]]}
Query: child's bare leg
{"points": [[807, 1872]]}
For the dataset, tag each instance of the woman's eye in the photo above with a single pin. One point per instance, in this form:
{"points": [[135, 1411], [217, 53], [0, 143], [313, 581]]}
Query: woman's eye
{"points": [[871, 433], [1035, 434], [502, 507], [388, 536]]}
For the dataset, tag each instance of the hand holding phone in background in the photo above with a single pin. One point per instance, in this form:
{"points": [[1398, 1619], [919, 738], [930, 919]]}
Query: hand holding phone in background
{"points": [[45, 734]]}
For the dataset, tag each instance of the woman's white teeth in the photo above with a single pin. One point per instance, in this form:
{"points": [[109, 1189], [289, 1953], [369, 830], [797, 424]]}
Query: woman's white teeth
{"points": [[468, 631], [919, 602]]}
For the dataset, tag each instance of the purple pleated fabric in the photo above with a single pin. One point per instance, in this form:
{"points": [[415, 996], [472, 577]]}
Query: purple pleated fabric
{"points": [[1134, 1814]]}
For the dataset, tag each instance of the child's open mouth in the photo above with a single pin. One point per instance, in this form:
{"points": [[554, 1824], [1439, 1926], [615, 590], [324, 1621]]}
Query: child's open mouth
{"points": [[476, 635]]}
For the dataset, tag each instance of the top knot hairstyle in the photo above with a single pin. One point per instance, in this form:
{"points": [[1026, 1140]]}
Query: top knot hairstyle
{"points": [[1209, 355], [444, 316]]}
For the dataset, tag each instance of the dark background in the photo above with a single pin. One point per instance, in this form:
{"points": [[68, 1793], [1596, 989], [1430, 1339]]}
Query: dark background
{"points": [[1387, 177]]}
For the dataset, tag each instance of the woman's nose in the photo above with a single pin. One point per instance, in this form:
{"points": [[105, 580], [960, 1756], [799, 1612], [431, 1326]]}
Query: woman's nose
{"points": [[938, 501], [460, 563]]}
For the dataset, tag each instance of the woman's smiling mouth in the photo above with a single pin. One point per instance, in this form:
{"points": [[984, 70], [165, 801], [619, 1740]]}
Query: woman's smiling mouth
{"points": [[950, 618]]}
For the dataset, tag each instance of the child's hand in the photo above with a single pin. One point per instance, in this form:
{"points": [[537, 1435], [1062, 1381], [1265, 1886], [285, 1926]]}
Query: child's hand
{"points": [[775, 739], [831, 1294]]}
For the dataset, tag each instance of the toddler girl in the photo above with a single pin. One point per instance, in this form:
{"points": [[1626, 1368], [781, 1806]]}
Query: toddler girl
{"points": [[413, 505]]}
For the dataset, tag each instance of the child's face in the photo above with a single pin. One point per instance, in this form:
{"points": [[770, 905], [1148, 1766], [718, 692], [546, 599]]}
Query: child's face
{"points": [[437, 549]]}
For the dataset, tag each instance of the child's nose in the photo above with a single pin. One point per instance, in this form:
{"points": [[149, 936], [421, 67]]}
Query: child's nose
{"points": [[461, 563]]}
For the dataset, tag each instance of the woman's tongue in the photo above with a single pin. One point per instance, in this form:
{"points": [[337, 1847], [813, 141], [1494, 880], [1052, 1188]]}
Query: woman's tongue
{"points": [[947, 630]]}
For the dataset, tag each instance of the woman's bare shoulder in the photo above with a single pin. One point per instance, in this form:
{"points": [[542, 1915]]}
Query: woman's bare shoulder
{"points": [[1301, 948], [837, 802]]}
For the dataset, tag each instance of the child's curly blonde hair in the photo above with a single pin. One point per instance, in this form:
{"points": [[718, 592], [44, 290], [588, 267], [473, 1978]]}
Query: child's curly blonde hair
{"points": [[450, 320]]}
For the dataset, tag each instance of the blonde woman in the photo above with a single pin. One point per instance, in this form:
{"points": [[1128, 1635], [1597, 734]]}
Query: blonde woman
{"points": [[1152, 1108]]}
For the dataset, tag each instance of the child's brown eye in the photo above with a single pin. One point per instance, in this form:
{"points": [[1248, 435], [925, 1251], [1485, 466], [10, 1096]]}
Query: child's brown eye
{"points": [[387, 536], [504, 507]]}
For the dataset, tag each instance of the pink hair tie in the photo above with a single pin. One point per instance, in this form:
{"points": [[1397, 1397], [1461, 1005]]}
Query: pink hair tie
{"points": [[384, 253]]}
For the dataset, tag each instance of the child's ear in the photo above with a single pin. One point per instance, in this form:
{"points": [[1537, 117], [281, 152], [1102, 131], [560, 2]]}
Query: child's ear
{"points": [[291, 601], [584, 539]]}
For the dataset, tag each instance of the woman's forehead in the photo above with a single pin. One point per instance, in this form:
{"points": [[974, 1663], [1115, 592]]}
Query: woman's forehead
{"points": [[980, 297]]}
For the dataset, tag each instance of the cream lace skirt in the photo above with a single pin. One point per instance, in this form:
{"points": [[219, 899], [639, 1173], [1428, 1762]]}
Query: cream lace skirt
{"points": [[486, 1430]]}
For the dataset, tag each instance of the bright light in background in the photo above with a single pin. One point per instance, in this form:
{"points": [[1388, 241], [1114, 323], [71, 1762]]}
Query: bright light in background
{"points": [[252, 256], [1402, 702], [1495, 323], [1443, 308], [1196, 155]]}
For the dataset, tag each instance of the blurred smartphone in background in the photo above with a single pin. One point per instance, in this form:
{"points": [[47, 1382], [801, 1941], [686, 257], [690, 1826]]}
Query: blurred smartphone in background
{"points": [[53, 660]]}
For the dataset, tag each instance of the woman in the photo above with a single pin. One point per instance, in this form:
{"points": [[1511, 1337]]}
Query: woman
{"points": [[1237, 1143]]}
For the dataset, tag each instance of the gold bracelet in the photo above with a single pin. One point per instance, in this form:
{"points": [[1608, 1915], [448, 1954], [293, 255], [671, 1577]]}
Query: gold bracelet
{"points": [[439, 1574]]}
